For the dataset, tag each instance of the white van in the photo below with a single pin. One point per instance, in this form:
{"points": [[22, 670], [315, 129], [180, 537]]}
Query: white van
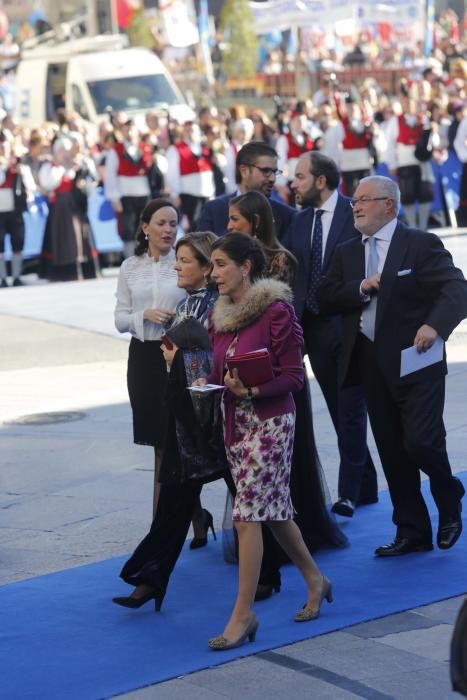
{"points": [[91, 76]]}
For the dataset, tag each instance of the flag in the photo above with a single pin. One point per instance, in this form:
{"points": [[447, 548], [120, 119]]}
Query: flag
{"points": [[204, 38], [429, 27]]}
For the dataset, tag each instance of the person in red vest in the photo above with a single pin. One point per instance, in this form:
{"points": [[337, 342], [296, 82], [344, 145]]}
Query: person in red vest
{"points": [[356, 140], [416, 181], [68, 250], [189, 178], [290, 146], [13, 202], [126, 182]]}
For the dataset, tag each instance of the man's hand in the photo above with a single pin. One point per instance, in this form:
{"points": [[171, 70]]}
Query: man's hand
{"points": [[370, 285], [426, 336]]}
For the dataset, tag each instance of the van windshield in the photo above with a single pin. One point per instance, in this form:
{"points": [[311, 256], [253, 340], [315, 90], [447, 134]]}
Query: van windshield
{"points": [[141, 92]]}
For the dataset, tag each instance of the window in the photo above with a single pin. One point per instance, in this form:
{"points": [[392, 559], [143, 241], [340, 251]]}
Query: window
{"points": [[132, 93]]}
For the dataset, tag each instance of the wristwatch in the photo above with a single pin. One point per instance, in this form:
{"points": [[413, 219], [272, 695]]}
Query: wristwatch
{"points": [[249, 393]]}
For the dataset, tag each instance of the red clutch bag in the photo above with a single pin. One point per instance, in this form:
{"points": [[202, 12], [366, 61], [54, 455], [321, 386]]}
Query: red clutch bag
{"points": [[254, 368]]}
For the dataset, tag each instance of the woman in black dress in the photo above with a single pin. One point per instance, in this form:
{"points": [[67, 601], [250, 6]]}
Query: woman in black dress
{"points": [[68, 250], [150, 566]]}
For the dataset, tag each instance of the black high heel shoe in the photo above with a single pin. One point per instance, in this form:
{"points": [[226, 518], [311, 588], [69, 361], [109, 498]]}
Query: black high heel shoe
{"points": [[265, 590], [198, 542], [134, 603]]}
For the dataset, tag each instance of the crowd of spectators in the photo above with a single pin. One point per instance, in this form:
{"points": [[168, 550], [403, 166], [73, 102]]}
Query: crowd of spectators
{"points": [[433, 93]]}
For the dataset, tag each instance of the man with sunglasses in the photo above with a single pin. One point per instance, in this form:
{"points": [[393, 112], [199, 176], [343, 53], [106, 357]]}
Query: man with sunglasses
{"points": [[397, 288], [324, 222], [255, 169]]}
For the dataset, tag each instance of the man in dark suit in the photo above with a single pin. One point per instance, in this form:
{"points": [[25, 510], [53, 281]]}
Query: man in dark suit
{"points": [[325, 221], [255, 169], [397, 287]]}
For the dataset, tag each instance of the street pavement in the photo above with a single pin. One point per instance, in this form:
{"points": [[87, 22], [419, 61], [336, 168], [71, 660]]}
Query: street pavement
{"points": [[76, 492]]}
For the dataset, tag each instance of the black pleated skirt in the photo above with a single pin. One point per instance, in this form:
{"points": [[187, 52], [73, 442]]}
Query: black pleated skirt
{"points": [[147, 386]]}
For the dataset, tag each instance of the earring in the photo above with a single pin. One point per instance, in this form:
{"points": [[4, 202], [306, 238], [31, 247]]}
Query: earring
{"points": [[146, 237]]}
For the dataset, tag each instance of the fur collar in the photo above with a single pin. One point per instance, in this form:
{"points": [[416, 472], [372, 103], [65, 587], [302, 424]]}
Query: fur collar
{"points": [[229, 317]]}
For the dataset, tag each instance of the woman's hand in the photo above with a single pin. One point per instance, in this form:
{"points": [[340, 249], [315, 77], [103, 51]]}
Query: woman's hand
{"points": [[201, 381], [235, 384], [160, 316], [169, 354]]}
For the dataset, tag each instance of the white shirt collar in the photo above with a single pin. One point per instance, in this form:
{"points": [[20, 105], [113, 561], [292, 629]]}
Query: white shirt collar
{"points": [[385, 233], [330, 204]]}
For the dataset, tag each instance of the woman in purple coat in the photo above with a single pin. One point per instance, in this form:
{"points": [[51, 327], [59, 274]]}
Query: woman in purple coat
{"points": [[259, 421]]}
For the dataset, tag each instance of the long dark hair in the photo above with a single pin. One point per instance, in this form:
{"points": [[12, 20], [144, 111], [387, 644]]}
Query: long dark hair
{"points": [[149, 210], [241, 248], [256, 209]]}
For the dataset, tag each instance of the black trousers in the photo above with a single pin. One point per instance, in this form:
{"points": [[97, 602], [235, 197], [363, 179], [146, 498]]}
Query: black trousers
{"points": [[347, 408], [155, 557], [128, 220], [192, 206], [12, 222], [407, 423]]}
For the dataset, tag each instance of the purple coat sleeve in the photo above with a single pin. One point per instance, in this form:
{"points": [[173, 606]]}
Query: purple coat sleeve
{"points": [[286, 344]]}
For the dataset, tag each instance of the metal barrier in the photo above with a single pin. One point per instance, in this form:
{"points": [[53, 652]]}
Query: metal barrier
{"points": [[101, 216]]}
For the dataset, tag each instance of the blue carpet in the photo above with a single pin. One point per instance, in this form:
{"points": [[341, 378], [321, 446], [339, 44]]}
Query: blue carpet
{"points": [[60, 635]]}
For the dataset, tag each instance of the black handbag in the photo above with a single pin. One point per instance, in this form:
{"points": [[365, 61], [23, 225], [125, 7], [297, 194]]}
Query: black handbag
{"points": [[195, 445]]}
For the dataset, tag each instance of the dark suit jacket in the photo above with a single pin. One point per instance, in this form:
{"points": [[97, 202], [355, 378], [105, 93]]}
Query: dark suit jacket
{"points": [[215, 216], [433, 292], [298, 241]]}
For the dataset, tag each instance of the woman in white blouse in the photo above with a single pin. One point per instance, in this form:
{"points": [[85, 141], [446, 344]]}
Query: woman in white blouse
{"points": [[147, 295]]}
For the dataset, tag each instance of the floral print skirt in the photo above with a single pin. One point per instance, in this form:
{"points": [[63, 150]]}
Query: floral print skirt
{"points": [[260, 459]]}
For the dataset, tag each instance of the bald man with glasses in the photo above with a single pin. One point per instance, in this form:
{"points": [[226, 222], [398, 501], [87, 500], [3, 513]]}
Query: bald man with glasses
{"points": [[326, 221], [256, 169], [397, 288]]}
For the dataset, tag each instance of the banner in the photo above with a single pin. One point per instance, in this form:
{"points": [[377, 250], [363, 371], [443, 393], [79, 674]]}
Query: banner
{"points": [[180, 22], [286, 14]]}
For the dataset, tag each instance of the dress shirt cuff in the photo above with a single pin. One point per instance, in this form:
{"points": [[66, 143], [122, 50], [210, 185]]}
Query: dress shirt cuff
{"points": [[137, 321]]}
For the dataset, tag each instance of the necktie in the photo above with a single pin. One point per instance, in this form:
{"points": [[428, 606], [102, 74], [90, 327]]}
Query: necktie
{"points": [[369, 311], [316, 257]]}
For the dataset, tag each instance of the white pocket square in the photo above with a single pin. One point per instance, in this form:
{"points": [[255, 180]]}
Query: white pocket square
{"points": [[403, 273]]}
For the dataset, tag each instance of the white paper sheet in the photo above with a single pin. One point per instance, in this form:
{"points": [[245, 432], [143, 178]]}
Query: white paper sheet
{"points": [[412, 360], [205, 388]]}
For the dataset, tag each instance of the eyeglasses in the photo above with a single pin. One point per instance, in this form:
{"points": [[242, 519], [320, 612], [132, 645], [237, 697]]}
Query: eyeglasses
{"points": [[267, 172], [364, 200]]}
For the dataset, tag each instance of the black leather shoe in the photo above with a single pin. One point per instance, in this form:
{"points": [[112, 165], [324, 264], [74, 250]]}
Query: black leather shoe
{"points": [[449, 532], [344, 506], [3, 283], [402, 545], [449, 529]]}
